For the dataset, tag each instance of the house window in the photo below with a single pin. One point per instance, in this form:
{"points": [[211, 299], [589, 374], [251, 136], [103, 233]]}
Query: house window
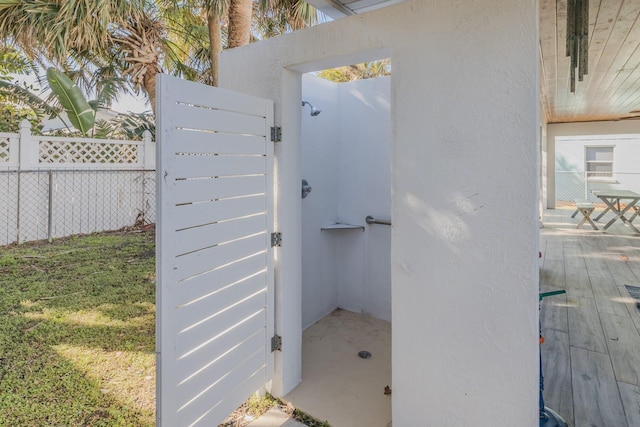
{"points": [[599, 162]]}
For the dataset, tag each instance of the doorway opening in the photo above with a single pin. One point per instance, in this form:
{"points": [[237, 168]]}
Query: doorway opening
{"points": [[346, 260]]}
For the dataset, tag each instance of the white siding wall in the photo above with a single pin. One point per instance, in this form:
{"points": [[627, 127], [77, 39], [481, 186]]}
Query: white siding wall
{"points": [[570, 165], [464, 198], [561, 130]]}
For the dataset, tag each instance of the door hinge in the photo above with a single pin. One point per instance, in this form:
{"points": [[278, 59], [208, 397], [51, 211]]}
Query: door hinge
{"points": [[276, 343], [276, 133], [276, 239]]}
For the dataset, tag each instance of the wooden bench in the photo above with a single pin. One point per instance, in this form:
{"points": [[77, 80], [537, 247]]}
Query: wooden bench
{"points": [[586, 208]]}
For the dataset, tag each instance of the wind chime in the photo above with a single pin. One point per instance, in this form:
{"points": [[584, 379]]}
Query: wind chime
{"points": [[578, 38]]}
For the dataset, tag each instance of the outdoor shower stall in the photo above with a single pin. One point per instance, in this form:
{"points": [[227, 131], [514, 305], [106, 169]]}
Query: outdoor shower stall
{"points": [[346, 252], [346, 159], [463, 148]]}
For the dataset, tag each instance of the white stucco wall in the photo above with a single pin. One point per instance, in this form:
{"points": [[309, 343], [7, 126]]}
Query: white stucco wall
{"points": [[464, 198], [365, 189], [346, 157], [576, 130], [319, 165]]}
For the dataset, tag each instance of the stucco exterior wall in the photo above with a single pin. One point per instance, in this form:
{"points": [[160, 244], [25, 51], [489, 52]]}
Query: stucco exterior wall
{"points": [[555, 130], [320, 148], [365, 179], [464, 198]]}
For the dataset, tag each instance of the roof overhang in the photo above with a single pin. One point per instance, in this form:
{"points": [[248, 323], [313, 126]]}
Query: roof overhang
{"points": [[340, 8]]}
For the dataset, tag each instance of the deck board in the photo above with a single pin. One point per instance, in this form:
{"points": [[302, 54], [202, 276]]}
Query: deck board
{"points": [[623, 341], [558, 391], [608, 298], [595, 390], [631, 402], [591, 354], [578, 283], [630, 303], [585, 328]]}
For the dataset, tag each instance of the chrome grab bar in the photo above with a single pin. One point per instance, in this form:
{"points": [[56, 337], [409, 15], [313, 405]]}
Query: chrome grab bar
{"points": [[372, 220]]}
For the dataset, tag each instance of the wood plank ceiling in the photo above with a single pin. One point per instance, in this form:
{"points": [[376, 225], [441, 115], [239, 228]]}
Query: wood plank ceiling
{"points": [[611, 89]]}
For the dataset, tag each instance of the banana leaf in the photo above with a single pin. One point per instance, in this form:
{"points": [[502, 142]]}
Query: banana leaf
{"points": [[80, 113]]}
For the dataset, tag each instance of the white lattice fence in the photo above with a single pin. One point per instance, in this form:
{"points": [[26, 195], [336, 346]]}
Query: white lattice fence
{"points": [[9, 146], [56, 186], [92, 151], [4, 148]]}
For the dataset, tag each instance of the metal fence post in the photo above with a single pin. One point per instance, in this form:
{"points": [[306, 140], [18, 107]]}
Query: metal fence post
{"points": [[50, 206]]}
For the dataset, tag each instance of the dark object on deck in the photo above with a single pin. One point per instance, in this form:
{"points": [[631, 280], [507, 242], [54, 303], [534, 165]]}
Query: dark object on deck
{"points": [[634, 292]]}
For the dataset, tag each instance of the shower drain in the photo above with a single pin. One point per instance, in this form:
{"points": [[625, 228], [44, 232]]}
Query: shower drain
{"points": [[364, 354]]}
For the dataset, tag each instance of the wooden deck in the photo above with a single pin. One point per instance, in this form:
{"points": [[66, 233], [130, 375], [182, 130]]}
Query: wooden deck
{"points": [[591, 354]]}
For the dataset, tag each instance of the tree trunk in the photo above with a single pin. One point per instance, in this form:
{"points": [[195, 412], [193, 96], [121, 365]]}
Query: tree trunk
{"points": [[240, 22], [215, 44], [149, 84]]}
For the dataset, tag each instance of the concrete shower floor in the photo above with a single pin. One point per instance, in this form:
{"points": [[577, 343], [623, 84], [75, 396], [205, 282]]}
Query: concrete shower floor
{"points": [[337, 385]]}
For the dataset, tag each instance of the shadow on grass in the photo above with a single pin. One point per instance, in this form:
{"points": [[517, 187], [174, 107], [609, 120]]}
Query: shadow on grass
{"points": [[77, 323]]}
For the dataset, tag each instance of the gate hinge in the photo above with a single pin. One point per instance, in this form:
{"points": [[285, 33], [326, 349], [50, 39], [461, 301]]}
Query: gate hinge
{"points": [[276, 133], [276, 343], [276, 239]]}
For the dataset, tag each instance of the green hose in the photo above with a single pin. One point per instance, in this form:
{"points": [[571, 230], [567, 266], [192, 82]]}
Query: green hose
{"points": [[548, 294]]}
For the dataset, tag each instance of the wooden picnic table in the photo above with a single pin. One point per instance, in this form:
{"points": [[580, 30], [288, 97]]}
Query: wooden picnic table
{"points": [[612, 199]]}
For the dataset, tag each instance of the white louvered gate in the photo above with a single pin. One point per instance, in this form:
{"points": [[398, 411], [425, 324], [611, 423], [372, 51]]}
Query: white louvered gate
{"points": [[214, 258]]}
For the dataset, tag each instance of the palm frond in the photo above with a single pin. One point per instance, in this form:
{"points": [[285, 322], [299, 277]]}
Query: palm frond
{"points": [[21, 96]]}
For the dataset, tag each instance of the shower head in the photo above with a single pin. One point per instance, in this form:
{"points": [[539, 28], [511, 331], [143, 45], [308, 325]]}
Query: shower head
{"points": [[314, 110]]}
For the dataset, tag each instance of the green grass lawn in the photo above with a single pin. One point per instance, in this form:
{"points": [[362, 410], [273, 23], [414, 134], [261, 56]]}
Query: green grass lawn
{"points": [[77, 335], [77, 326]]}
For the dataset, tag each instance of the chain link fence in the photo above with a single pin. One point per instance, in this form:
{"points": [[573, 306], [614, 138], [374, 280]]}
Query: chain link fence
{"points": [[46, 204], [571, 185]]}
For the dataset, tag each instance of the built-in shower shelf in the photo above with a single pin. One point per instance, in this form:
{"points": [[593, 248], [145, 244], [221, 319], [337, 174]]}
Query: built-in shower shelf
{"points": [[340, 226]]}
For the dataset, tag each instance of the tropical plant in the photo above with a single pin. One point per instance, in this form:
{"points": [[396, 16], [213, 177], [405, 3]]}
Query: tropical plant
{"points": [[69, 95], [18, 101], [365, 70], [130, 126], [275, 17], [114, 46], [90, 35]]}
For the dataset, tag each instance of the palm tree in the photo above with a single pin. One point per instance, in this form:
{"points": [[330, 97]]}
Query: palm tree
{"points": [[141, 42], [215, 9], [124, 39], [240, 12], [127, 42], [52, 29], [276, 17], [197, 27]]}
